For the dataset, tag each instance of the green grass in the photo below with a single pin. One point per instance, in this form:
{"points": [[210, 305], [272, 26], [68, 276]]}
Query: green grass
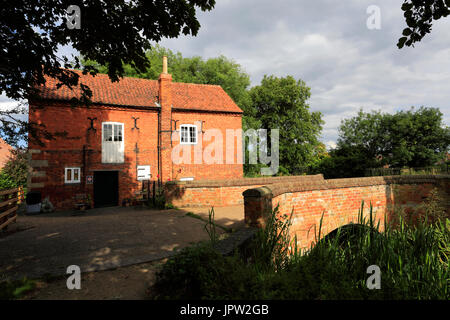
{"points": [[413, 259], [10, 290]]}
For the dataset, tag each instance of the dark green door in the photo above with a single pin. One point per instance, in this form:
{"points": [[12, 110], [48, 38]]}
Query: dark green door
{"points": [[106, 188]]}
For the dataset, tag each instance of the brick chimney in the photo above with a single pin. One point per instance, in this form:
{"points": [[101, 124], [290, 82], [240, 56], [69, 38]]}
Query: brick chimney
{"points": [[165, 100]]}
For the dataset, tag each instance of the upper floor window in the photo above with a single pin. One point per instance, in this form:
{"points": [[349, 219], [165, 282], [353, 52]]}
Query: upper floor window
{"points": [[113, 142], [188, 134], [112, 131]]}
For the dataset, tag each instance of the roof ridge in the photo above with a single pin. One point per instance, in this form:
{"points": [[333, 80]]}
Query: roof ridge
{"points": [[138, 78], [199, 84], [107, 76]]}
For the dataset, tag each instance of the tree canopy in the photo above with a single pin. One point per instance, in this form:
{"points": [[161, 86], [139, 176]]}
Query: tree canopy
{"points": [[113, 33], [412, 138], [219, 71], [419, 16], [281, 103]]}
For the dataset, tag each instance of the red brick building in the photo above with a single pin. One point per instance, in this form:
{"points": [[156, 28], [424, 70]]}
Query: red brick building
{"points": [[5, 152], [127, 135]]}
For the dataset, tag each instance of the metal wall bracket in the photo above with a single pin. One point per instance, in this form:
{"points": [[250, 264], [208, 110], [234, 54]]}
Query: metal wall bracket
{"points": [[92, 124], [135, 123]]}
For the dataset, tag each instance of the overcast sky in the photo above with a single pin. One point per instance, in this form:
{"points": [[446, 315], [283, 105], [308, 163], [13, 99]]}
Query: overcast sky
{"points": [[327, 44]]}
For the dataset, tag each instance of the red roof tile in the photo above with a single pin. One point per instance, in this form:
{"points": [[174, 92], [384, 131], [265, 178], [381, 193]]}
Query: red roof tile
{"points": [[143, 93]]}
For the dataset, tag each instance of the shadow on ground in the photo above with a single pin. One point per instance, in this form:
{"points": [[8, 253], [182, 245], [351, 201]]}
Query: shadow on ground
{"points": [[101, 239]]}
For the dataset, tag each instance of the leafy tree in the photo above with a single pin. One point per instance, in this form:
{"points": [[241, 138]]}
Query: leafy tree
{"points": [[419, 16], [413, 138], [280, 103], [153, 66], [417, 138], [320, 154], [113, 33], [366, 132]]}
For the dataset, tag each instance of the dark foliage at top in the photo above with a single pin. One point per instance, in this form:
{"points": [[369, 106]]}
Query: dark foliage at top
{"points": [[419, 16]]}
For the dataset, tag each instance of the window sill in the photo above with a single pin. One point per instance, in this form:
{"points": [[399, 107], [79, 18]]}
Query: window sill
{"points": [[113, 163]]}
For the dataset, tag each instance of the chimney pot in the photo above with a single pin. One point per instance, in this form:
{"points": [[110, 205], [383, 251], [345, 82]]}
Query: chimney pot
{"points": [[164, 65]]}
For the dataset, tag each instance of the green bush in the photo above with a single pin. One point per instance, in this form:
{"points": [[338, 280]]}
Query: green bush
{"points": [[15, 171], [6, 181], [160, 201], [200, 272]]}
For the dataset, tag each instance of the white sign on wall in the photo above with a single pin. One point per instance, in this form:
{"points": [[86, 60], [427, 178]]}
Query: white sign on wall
{"points": [[143, 173]]}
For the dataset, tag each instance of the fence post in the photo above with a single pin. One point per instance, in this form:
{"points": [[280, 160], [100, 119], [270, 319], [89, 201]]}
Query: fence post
{"points": [[8, 206], [154, 192]]}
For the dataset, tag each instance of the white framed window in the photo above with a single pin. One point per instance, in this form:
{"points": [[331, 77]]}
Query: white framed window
{"points": [[188, 134], [72, 175], [112, 131], [113, 142]]}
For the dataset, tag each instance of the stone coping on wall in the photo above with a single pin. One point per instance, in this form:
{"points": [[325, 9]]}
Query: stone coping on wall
{"points": [[276, 189], [247, 181]]}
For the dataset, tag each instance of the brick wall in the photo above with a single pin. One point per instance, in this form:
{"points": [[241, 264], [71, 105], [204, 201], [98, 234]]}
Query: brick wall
{"points": [[339, 201], [220, 193], [205, 169], [82, 148]]}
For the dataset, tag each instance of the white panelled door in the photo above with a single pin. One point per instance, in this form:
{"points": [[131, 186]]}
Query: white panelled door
{"points": [[113, 146]]}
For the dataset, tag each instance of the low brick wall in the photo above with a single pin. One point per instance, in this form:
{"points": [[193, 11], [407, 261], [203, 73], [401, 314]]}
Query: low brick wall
{"points": [[221, 193], [339, 200]]}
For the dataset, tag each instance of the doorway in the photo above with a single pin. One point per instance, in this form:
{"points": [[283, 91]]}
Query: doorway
{"points": [[106, 188]]}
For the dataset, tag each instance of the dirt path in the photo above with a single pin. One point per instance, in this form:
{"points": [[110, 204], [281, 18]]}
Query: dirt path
{"points": [[126, 283]]}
